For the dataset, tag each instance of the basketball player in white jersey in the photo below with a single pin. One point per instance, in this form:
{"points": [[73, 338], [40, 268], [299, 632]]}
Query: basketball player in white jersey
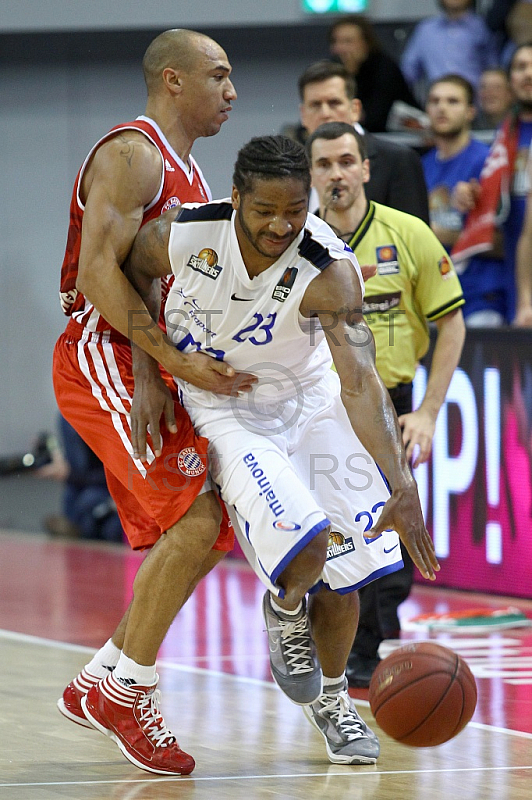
{"points": [[260, 282]]}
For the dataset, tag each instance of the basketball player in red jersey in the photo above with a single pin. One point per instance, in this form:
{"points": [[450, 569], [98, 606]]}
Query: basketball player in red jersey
{"points": [[133, 174]]}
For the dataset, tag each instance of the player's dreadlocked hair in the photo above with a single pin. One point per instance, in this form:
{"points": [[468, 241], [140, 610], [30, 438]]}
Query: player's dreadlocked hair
{"points": [[269, 157]]}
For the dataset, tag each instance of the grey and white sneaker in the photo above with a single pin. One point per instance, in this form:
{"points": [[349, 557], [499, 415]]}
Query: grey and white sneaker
{"points": [[347, 737], [293, 660]]}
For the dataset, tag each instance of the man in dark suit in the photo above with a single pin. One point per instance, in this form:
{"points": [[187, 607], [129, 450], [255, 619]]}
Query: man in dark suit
{"points": [[328, 94], [354, 42]]}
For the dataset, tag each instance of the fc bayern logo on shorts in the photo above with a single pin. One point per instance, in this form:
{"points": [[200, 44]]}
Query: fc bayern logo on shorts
{"points": [[190, 463], [285, 525], [171, 203]]}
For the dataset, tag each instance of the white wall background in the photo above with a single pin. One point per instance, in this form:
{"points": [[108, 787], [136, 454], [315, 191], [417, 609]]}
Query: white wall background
{"points": [[41, 15]]}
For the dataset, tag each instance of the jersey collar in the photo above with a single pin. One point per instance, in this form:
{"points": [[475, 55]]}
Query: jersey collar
{"points": [[362, 229]]}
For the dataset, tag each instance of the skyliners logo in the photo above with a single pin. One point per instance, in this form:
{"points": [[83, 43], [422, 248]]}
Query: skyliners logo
{"points": [[338, 545]]}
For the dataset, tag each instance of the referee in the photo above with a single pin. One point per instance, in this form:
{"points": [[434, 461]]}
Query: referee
{"points": [[415, 283]]}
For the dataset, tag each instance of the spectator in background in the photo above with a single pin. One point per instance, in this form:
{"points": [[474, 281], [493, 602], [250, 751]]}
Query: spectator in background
{"points": [[511, 21], [497, 14], [496, 17], [328, 94], [523, 275], [457, 157], [88, 509], [457, 41], [494, 99], [379, 79], [499, 200]]}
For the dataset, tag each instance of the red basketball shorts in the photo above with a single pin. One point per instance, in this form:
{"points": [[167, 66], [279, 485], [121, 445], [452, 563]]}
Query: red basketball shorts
{"points": [[94, 385]]}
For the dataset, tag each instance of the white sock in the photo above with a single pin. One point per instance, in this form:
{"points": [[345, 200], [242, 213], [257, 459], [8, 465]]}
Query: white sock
{"points": [[328, 682], [278, 608], [128, 671], [104, 661]]}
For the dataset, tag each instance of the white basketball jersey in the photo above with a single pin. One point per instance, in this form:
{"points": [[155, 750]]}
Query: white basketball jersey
{"points": [[252, 323]]}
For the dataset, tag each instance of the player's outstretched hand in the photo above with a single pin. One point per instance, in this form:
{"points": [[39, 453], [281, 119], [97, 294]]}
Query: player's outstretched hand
{"points": [[402, 512], [208, 373], [151, 401]]}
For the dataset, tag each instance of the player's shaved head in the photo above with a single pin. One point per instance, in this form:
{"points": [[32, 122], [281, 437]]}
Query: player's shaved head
{"points": [[178, 49]]}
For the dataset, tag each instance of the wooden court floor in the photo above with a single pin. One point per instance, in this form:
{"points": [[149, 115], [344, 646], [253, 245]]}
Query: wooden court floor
{"points": [[60, 600]]}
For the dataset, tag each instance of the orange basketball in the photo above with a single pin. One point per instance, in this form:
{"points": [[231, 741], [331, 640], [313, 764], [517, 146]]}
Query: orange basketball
{"points": [[335, 538], [208, 255], [422, 694]]}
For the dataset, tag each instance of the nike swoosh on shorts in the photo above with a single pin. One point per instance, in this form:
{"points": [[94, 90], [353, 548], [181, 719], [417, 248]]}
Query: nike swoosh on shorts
{"points": [[391, 548]]}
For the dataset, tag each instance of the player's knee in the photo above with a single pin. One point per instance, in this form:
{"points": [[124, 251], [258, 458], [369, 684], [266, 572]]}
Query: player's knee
{"points": [[316, 549], [305, 569]]}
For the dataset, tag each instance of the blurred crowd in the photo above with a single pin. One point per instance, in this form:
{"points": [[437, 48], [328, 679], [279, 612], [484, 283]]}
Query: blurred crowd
{"points": [[463, 82]]}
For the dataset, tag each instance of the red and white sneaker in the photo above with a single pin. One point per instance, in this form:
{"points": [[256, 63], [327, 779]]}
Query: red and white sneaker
{"points": [[70, 703], [130, 716]]}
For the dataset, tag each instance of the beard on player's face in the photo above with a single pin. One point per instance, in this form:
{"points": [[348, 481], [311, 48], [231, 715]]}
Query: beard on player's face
{"points": [[255, 238]]}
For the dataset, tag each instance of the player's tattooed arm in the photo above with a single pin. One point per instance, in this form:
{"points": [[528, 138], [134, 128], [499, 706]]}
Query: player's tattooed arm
{"points": [[152, 401], [337, 297], [148, 259], [127, 148], [121, 179]]}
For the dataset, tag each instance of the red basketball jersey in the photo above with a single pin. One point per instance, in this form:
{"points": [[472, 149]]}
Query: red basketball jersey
{"points": [[178, 185]]}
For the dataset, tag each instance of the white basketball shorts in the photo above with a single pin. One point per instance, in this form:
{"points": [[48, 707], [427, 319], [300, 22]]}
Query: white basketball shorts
{"points": [[288, 471]]}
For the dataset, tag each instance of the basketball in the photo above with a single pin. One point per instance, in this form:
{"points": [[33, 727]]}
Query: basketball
{"points": [[208, 255], [422, 694], [335, 538]]}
